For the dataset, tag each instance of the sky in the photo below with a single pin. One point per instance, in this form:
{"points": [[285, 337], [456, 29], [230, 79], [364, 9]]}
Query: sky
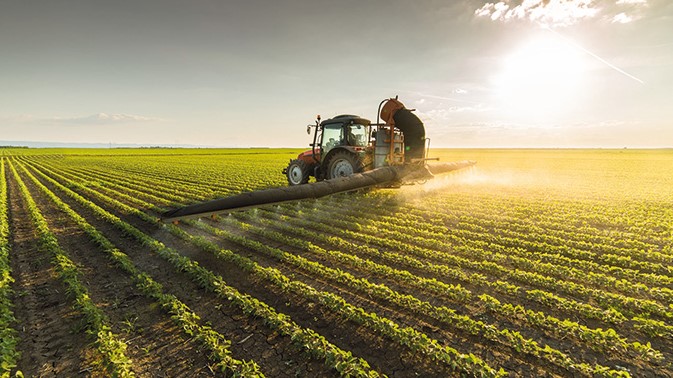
{"points": [[531, 73]]}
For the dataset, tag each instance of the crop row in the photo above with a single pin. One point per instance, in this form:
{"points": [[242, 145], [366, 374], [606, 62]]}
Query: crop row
{"points": [[142, 184], [599, 279], [468, 231], [627, 273], [162, 198], [146, 177], [577, 270], [639, 251], [626, 259], [581, 220], [534, 237], [125, 184], [8, 337], [597, 339], [492, 263], [544, 297], [527, 255], [409, 337], [632, 221], [320, 231], [586, 310], [311, 342], [570, 257], [161, 169], [226, 177], [218, 346], [602, 339], [133, 184], [110, 346], [478, 260], [558, 227], [652, 326], [441, 270]]}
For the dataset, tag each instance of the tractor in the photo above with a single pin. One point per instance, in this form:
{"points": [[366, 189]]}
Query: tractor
{"points": [[348, 144]]}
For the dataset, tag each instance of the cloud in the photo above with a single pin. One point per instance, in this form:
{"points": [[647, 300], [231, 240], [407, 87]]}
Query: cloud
{"points": [[622, 18], [560, 13], [635, 8], [547, 12]]}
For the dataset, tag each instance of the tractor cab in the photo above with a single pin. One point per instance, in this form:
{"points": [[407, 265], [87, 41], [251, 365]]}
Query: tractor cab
{"points": [[338, 149], [343, 131]]}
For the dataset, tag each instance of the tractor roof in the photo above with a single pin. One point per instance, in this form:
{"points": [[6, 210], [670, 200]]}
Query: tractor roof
{"points": [[346, 119]]}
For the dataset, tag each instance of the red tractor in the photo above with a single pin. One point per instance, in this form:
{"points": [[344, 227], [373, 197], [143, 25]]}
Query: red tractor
{"points": [[348, 144]]}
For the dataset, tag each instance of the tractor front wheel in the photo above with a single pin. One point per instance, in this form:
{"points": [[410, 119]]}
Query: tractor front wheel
{"points": [[342, 164], [298, 172]]}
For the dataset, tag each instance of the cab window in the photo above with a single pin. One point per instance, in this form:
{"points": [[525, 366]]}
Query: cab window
{"points": [[331, 136], [354, 135]]}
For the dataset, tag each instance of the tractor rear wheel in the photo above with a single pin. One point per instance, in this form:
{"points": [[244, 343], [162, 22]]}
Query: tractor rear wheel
{"points": [[298, 172], [342, 164]]}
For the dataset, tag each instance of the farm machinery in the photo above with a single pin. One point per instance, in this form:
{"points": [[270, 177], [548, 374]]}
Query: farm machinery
{"points": [[348, 153], [348, 144]]}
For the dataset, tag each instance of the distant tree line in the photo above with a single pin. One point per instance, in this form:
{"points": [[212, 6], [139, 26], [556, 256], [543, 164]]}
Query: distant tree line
{"points": [[14, 147]]}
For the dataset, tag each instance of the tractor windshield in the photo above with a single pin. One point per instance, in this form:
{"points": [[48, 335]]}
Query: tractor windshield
{"points": [[355, 135], [331, 136], [338, 134]]}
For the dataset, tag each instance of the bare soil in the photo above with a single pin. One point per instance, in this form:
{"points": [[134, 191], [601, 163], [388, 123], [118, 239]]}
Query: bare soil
{"points": [[251, 338], [49, 330]]}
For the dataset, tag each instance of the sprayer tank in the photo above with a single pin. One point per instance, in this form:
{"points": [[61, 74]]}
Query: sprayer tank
{"points": [[382, 149]]}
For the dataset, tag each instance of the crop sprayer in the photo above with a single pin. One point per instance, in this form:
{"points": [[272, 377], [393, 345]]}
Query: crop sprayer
{"points": [[348, 153]]}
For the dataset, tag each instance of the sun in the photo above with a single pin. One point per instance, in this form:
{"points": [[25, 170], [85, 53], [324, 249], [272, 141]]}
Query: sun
{"points": [[541, 78]]}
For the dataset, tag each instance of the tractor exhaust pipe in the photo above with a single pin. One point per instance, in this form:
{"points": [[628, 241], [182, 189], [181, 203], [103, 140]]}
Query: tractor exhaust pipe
{"points": [[376, 177]]}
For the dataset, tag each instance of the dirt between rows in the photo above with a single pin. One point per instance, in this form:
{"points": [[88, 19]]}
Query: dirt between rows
{"points": [[378, 352], [495, 355], [574, 347], [571, 345], [251, 338], [50, 340], [475, 309], [155, 344], [577, 349], [389, 359]]}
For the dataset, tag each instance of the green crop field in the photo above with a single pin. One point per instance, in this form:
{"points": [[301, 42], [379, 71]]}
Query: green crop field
{"points": [[533, 263]]}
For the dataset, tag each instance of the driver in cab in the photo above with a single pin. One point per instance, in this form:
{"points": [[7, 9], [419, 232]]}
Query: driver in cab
{"points": [[349, 138]]}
